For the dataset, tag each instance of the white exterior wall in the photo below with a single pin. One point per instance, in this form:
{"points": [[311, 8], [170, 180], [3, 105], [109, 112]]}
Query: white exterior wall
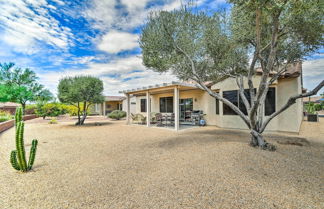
{"points": [[133, 105], [290, 120]]}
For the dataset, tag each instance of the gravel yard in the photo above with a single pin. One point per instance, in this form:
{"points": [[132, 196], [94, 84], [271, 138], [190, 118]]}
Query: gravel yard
{"points": [[120, 166]]}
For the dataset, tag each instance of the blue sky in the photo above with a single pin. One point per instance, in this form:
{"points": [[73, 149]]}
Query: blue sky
{"points": [[58, 38]]}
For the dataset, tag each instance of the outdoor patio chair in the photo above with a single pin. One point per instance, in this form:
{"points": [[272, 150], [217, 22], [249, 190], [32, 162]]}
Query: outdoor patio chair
{"points": [[159, 119], [170, 119], [141, 119]]}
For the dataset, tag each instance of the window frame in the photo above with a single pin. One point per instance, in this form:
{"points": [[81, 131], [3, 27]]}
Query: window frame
{"points": [[143, 102], [166, 100]]}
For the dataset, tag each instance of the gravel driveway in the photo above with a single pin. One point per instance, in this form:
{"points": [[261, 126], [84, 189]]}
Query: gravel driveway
{"points": [[120, 166]]}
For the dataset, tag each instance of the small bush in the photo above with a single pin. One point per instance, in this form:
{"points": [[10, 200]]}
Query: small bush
{"points": [[4, 116], [117, 114], [30, 109], [51, 110], [53, 121]]}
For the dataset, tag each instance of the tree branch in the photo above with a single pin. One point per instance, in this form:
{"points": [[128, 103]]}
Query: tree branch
{"points": [[291, 101], [239, 82]]}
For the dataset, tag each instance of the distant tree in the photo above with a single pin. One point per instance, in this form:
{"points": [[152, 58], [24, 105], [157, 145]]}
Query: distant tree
{"points": [[19, 85], [44, 96], [202, 47], [81, 92]]}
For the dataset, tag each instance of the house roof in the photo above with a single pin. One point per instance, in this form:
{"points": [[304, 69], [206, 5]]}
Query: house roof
{"points": [[9, 105], [173, 83], [293, 71], [114, 98], [312, 99]]}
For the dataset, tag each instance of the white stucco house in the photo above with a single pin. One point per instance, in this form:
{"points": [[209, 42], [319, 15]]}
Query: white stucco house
{"points": [[184, 99]]}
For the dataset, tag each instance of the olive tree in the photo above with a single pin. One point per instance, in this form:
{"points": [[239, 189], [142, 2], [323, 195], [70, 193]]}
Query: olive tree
{"points": [[81, 92], [272, 35]]}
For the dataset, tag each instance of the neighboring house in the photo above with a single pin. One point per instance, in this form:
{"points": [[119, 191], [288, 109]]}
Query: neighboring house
{"points": [[184, 99], [9, 107], [315, 99], [110, 104]]}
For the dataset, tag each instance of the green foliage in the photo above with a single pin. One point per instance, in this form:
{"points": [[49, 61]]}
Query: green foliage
{"points": [[310, 108], [117, 114], [51, 109], [72, 110], [175, 40], [18, 156], [80, 91], [4, 116], [300, 25], [53, 121], [30, 109], [18, 85]]}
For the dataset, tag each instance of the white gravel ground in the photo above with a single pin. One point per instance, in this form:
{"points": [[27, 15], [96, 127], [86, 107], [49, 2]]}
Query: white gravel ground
{"points": [[120, 166]]}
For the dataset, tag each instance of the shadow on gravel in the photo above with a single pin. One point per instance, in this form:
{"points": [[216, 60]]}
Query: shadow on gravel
{"points": [[91, 124], [225, 135]]}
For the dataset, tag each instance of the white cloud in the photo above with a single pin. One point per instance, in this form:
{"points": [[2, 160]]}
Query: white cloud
{"points": [[28, 24], [116, 41], [313, 67], [105, 15], [313, 72], [112, 74]]}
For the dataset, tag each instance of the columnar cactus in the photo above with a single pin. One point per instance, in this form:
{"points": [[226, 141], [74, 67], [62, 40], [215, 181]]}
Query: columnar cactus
{"points": [[17, 157]]}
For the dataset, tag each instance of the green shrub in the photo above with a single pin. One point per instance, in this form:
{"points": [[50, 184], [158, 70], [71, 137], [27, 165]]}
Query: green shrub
{"points": [[73, 110], [117, 114], [30, 109], [317, 107], [4, 116], [310, 108], [51, 110], [53, 121]]}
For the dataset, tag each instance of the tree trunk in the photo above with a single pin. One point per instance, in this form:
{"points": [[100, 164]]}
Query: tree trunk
{"points": [[79, 117], [257, 140], [23, 105], [83, 119]]}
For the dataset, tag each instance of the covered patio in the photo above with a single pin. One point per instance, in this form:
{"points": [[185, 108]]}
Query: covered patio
{"points": [[170, 105]]}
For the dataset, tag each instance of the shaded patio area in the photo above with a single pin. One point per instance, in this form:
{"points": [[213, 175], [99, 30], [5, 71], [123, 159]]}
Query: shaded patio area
{"points": [[168, 105]]}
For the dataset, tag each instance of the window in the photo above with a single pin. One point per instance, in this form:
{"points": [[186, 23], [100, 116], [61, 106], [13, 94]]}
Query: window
{"points": [[248, 97], [233, 98], [270, 102], [217, 106], [166, 104], [143, 105]]}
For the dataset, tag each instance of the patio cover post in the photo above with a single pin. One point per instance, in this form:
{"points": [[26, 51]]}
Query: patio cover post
{"points": [[128, 109], [176, 108], [148, 109], [104, 108]]}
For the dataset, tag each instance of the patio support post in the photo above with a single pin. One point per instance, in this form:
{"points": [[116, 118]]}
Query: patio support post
{"points": [[176, 108], [104, 108], [128, 109], [148, 109]]}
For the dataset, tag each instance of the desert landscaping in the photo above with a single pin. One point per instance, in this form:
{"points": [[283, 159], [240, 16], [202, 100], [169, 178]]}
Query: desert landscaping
{"points": [[107, 164]]}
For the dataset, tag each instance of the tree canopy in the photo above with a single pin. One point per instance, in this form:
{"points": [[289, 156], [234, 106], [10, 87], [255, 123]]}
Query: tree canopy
{"points": [[19, 85], [85, 90], [272, 35]]}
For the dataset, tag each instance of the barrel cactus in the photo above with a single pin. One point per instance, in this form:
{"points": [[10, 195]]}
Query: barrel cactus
{"points": [[18, 156]]}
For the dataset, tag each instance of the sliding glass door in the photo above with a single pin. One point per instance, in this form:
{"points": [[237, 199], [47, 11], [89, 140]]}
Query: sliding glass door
{"points": [[186, 107]]}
